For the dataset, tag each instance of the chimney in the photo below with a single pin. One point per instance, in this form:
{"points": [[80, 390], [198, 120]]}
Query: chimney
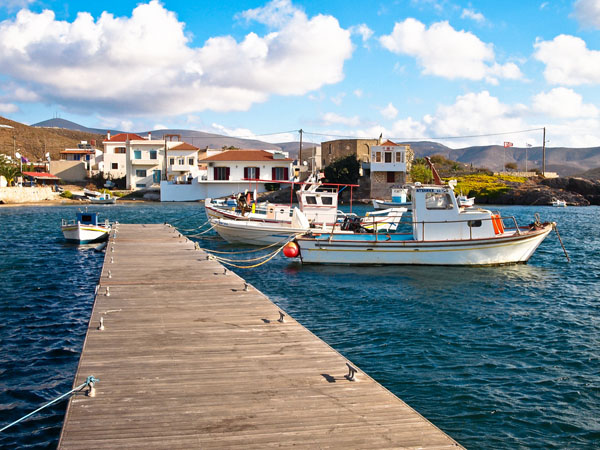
{"points": [[108, 135], [149, 136]]}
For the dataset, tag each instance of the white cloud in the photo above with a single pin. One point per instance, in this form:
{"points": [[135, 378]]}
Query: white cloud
{"points": [[249, 134], [445, 52], [338, 99], [15, 4], [358, 93], [563, 102], [336, 119], [363, 31], [7, 108], [389, 112], [568, 61], [473, 15], [587, 13], [119, 64]]}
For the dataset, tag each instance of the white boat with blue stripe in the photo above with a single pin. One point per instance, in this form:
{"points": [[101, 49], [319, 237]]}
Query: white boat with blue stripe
{"points": [[86, 228]]}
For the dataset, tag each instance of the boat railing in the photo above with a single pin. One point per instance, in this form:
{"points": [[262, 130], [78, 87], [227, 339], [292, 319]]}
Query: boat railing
{"points": [[376, 221]]}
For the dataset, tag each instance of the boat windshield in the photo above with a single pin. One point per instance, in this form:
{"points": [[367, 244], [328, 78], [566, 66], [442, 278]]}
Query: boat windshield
{"points": [[435, 200]]}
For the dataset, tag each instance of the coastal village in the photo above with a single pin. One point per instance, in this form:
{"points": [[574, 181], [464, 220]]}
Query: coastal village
{"points": [[169, 169], [293, 224]]}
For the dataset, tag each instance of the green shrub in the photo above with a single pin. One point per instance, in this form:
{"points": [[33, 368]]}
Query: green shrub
{"points": [[67, 194]]}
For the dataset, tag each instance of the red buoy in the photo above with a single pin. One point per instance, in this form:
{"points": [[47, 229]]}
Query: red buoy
{"points": [[291, 250]]}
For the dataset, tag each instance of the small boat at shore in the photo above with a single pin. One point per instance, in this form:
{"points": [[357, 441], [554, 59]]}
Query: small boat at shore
{"points": [[398, 200], [85, 229], [103, 199], [558, 203]]}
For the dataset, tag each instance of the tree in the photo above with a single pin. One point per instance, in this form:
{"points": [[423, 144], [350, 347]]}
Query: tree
{"points": [[421, 172], [510, 166], [9, 169], [343, 170]]}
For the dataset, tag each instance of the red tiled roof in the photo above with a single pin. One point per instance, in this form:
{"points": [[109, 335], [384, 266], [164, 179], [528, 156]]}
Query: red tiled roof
{"points": [[184, 146], [44, 175], [244, 155], [77, 151], [388, 143], [123, 137]]}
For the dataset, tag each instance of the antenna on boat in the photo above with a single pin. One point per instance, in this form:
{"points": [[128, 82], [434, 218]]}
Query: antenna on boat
{"points": [[436, 175]]}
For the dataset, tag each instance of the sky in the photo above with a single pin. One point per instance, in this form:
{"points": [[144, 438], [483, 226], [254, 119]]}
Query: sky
{"points": [[456, 72]]}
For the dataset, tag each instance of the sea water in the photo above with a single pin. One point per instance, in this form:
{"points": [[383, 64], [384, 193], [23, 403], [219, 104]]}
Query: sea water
{"points": [[497, 357]]}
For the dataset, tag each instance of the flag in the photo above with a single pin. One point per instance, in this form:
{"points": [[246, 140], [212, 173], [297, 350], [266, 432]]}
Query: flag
{"points": [[508, 144], [24, 160]]}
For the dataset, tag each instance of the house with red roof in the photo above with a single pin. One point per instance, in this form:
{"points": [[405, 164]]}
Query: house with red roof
{"points": [[115, 153], [390, 163], [182, 163], [230, 172]]}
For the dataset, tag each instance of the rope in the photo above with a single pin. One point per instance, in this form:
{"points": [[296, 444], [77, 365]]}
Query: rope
{"points": [[194, 229], [90, 380], [561, 242], [269, 257], [258, 258], [253, 265], [248, 251], [200, 234]]}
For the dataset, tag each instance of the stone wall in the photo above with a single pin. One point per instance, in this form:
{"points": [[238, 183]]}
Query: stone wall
{"points": [[381, 189], [27, 194], [340, 148]]}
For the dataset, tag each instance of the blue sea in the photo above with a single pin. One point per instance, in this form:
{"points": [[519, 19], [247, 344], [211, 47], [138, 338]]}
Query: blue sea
{"points": [[498, 357]]}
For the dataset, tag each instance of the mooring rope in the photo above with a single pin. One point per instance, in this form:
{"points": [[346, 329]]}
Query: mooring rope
{"points": [[284, 241], [253, 265], [561, 242], [90, 380], [201, 233], [194, 229], [268, 257]]}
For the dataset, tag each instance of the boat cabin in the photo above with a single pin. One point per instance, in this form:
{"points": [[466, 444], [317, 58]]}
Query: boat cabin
{"points": [[438, 217], [87, 218], [319, 203]]}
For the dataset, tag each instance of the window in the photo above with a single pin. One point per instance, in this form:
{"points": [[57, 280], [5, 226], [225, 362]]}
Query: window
{"points": [[391, 177], [251, 173], [156, 176], [140, 185], [434, 200], [221, 173], [120, 150], [311, 200], [181, 161], [330, 149], [114, 166], [280, 173], [377, 156], [474, 223], [399, 157], [87, 157], [388, 157], [77, 157], [137, 154], [153, 154], [190, 161], [327, 200], [140, 173], [172, 161]]}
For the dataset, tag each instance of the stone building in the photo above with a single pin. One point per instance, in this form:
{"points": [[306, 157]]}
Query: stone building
{"points": [[390, 163], [340, 148]]}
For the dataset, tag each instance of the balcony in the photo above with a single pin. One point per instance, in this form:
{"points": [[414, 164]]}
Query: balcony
{"points": [[145, 162]]}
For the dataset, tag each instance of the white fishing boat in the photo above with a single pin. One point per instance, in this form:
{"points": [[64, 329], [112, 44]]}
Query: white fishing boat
{"points": [[254, 232], [559, 203], [103, 199], [85, 229], [464, 201], [442, 233], [398, 200]]}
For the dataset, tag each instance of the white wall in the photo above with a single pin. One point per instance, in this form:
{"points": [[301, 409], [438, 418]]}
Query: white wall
{"points": [[200, 190], [237, 169]]}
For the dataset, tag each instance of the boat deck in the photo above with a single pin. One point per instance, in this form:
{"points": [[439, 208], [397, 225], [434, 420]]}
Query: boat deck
{"points": [[193, 357]]}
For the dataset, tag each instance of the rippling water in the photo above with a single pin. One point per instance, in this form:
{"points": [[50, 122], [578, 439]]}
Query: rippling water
{"points": [[498, 357]]}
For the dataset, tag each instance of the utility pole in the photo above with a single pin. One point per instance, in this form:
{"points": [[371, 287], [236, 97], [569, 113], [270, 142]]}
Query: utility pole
{"points": [[14, 146], [544, 154], [300, 150]]}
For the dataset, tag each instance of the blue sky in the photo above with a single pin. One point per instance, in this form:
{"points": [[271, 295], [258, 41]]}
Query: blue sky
{"points": [[409, 69]]}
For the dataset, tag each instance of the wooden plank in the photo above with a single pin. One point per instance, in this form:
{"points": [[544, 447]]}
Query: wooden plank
{"points": [[189, 359]]}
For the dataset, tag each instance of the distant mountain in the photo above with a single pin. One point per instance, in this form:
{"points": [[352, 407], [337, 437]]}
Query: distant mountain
{"points": [[68, 125], [565, 161]]}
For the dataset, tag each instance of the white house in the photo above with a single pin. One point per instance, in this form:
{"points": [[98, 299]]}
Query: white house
{"points": [[182, 163], [115, 154], [85, 153], [389, 165], [230, 172]]}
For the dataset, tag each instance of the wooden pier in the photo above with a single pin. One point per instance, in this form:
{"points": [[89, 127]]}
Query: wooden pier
{"points": [[192, 357]]}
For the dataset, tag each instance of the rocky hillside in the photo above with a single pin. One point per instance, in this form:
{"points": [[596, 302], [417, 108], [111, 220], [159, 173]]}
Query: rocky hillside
{"points": [[33, 142]]}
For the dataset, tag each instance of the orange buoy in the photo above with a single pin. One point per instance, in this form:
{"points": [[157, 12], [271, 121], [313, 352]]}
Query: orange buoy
{"points": [[291, 250]]}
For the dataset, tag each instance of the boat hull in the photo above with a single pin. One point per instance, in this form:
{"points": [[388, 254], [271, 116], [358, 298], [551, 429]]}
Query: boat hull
{"points": [[254, 233], [85, 234], [511, 249]]}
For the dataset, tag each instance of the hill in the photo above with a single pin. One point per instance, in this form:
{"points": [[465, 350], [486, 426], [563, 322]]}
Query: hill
{"points": [[33, 142]]}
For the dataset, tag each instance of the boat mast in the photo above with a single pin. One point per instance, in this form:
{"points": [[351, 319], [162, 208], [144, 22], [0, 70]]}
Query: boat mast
{"points": [[436, 175]]}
